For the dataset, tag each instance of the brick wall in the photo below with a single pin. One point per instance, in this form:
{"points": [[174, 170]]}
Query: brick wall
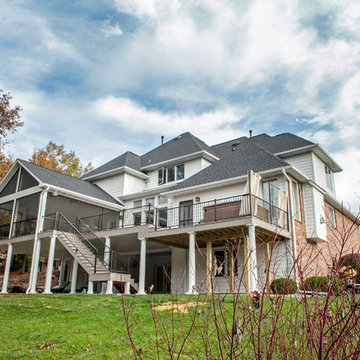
{"points": [[316, 259]]}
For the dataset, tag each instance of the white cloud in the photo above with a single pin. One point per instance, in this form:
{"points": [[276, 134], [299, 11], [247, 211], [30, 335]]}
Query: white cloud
{"points": [[111, 30], [212, 127]]}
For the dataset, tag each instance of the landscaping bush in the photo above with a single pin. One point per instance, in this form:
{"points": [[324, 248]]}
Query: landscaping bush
{"points": [[321, 284], [283, 286], [352, 260]]}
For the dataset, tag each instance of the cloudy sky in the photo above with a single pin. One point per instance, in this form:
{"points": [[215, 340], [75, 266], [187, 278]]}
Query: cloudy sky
{"points": [[102, 77]]}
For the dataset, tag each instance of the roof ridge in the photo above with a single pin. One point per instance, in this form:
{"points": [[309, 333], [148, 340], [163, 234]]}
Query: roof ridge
{"points": [[55, 171]]}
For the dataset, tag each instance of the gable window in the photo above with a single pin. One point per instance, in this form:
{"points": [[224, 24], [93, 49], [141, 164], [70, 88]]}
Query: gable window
{"points": [[171, 173], [332, 216], [180, 172], [329, 178], [296, 201]]}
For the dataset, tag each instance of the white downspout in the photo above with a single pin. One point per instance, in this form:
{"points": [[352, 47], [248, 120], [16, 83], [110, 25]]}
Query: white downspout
{"points": [[293, 233]]}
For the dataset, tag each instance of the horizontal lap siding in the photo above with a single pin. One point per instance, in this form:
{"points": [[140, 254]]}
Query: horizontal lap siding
{"points": [[113, 185], [302, 162]]}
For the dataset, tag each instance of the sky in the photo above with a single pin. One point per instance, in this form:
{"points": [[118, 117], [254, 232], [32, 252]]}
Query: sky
{"points": [[106, 76]]}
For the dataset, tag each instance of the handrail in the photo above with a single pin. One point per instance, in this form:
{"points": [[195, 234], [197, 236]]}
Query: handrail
{"points": [[94, 249], [109, 250], [77, 250]]}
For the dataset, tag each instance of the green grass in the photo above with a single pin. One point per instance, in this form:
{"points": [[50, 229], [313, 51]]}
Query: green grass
{"points": [[93, 327], [80, 326]]}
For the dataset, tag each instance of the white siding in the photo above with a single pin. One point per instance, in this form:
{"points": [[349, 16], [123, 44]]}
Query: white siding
{"points": [[113, 185], [191, 168], [320, 175], [320, 215], [132, 184], [303, 162], [309, 210]]}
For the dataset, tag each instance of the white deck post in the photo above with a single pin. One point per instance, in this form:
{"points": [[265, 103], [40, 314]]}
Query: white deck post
{"points": [[74, 276], [191, 265], [252, 258], [127, 288], [109, 288], [36, 267], [90, 290], [7, 269], [37, 243], [142, 267], [50, 265]]}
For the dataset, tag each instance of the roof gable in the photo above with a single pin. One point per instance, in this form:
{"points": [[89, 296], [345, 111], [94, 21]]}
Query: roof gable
{"points": [[235, 162], [182, 145], [128, 159], [66, 182]]}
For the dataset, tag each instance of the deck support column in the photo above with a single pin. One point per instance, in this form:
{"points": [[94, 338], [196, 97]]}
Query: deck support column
{"points": [[231, 269], [74, 275], [252, 262], [209, 261], [37, 242], [268, 275], [36, 267], [7, 269], [191, 265], [50, 265], [142, 267], [109, 287], [90, 290], [127, 288]]}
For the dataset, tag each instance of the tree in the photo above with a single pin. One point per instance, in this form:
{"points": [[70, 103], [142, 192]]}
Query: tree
{"points": [[9, 117], [55, 157], [9, 122]]}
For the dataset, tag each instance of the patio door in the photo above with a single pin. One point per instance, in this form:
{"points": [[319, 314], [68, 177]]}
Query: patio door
{"points": [[186, 213], [162, 278]]}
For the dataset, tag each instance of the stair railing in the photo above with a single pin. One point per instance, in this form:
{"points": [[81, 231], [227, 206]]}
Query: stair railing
{"points": [[58, 226], [114, 264]]}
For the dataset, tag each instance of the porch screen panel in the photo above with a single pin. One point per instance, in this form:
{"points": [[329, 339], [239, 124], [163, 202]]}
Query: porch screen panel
{"points": [[10, 187], [5, 219]]}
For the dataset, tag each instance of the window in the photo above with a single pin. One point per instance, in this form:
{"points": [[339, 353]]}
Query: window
{"points": [[171, 173], [332, 216], [137, 215], [163, 200], [219, 262], [149, 201], [329, 179], [162, 216], [296, 201], [180, 172]]}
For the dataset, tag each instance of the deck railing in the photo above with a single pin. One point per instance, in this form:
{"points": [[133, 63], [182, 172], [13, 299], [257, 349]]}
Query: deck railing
{"points": [[191, 214]]}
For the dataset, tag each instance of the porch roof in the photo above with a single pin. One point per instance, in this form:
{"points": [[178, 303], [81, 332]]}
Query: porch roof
{"points": [[66, 182]]}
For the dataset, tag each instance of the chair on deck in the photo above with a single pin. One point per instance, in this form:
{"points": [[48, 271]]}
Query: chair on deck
{"points": [[61, 288], [83, 288]]}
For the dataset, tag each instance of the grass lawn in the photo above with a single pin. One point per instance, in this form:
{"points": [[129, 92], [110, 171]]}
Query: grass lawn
{"points": [[94, 327], [68, 326]]}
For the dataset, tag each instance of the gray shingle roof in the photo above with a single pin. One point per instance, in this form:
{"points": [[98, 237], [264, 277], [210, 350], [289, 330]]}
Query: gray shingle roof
{"points": [[247, 155], [184, 144], [281, 142], [66, 182], [128, 159]]}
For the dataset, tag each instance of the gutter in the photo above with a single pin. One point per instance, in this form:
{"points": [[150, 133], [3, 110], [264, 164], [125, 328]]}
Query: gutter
{"points": [[293, 233], [81, 197]]}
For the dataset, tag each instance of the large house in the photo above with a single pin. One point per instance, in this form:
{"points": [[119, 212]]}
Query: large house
{"points": [[185, 217]]}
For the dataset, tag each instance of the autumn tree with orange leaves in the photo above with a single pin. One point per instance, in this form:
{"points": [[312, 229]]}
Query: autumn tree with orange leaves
{"points": [[54, 157], [9, 123]]}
